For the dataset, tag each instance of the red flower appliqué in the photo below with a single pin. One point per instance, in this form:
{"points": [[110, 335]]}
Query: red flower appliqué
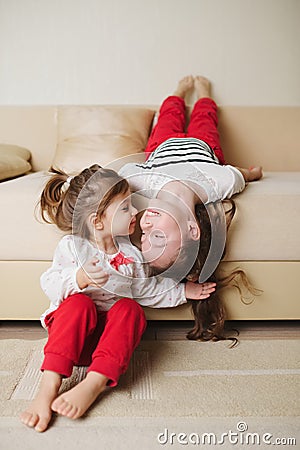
{"points": [[120, 259]]}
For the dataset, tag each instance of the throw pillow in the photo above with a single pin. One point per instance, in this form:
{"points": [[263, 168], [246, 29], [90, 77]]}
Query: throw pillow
{"points": [[100, 134], [13, 161]]}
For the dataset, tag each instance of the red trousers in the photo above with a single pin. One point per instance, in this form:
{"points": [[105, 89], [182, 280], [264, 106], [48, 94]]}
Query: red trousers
{"points": [[171, 123], [105, 341]]}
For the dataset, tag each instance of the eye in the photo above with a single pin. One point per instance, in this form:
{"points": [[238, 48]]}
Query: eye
{"points": [[158, 239], [125, 206]]}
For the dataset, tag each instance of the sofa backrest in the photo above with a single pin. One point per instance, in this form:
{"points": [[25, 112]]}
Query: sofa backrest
{"points": [[32, 127], [269, 136]]}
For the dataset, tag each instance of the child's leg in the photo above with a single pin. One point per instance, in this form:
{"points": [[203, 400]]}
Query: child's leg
{"points": [[39, 413], [124, 325], [204, 119], [68, 326], [171, 119]]}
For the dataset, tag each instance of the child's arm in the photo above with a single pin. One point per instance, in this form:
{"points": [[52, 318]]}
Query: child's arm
{"points": [[90, 274], [199, 291], [66, 276], [159, 292]]}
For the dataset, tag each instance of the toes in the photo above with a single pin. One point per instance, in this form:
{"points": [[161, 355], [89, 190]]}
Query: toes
{"points": [[25, 416], [67, 410], [74, 413], [78, 413], [42, 424], [29, 419], [33, 420], [58, 404], [190, 80], [62, 407]]}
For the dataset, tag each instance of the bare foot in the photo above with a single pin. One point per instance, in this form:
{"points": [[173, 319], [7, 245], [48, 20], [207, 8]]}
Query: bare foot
{"points": [[184, 86], [76, 401], [202, 86], [39, 413]]}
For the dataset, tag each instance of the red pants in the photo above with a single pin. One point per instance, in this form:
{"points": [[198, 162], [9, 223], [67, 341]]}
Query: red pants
{"points": [[171, 123], [105, 341]]}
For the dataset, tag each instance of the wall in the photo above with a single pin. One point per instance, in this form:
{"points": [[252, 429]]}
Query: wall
{"points": [[134, 51]]}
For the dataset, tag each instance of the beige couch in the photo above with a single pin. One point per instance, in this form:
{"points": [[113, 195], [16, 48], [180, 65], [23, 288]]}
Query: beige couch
{"points": [[264, 238]]}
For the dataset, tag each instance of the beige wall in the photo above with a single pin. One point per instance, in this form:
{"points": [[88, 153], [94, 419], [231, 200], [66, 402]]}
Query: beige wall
{"points": [[134, 51]]}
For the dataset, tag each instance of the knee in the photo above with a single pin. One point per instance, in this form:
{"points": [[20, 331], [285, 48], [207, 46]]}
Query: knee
{"points": [[129, 307], [81, 304], [129, 304]]}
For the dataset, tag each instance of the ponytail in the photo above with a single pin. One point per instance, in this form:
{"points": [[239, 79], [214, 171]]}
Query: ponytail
{"points": [[52, 199]]}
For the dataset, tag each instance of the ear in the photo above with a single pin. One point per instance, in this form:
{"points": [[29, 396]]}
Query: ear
{"points": [[95, 222], [193, 230]]}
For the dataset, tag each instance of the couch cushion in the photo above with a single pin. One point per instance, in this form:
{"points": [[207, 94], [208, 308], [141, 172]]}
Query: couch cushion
{"points": [[267, 222], [24, 237], [99, 134], [13, 161], [266, 226]]}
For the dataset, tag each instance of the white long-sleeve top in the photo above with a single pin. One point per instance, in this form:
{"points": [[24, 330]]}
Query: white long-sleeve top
{"points": [[129, 280], [188, 160]]}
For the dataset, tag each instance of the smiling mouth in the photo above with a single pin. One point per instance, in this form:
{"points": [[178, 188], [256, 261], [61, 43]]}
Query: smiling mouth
{"points": [[152, 212]]}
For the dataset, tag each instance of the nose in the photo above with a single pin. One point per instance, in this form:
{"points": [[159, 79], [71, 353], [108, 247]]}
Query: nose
{"points": [[146, 221], [147, 224]]}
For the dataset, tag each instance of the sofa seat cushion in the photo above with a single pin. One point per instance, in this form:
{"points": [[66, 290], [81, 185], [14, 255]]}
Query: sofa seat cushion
{"points": [[24, 237], [267, 222], [266, 226], [14, 161], [99, 134]]}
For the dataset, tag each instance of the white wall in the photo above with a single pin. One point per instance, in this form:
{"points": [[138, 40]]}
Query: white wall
{"points": [[134, 51]]}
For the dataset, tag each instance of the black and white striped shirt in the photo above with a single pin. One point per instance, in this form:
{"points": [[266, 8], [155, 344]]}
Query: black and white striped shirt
{"points": [[178, 150], [184, 159]]}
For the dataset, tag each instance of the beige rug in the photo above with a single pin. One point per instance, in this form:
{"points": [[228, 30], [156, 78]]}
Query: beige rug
{"points": [[174, 379]]}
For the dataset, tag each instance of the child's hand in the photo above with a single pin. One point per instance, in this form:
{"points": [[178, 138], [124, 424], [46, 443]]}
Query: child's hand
{"points": [[91, 275], [199, 291]]}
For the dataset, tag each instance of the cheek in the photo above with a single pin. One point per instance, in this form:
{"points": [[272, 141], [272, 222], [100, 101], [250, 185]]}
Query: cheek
{"points": [[167, 222], [119, 225], [150, 253], [172, 229]]}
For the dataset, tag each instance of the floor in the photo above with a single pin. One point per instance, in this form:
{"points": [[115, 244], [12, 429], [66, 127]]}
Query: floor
{"points": [[140, 432], [169, 330]]}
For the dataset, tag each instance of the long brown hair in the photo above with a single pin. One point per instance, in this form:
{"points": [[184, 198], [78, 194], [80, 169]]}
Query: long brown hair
{"points": [[210, 314], [214, 220], [68, 201]]}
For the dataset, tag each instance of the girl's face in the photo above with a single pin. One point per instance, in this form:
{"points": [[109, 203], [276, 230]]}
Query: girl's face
{"points": [[162, 234], [120, 216]]}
